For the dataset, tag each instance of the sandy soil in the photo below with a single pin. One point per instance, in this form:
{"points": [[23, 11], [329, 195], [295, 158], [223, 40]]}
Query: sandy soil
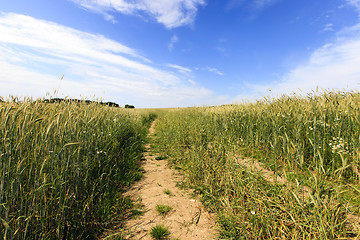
{"points": [[188, 219]]}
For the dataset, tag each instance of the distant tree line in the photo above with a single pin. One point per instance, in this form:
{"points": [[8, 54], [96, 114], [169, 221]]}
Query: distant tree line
{"points": [[59, 100]]}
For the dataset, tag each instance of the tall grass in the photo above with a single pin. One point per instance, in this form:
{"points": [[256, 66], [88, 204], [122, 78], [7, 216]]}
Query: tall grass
{"points": [[312, 140], [320, 133], [63, 166]]}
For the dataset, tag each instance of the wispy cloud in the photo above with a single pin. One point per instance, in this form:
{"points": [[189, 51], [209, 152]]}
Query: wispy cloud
{"points": [[171, 13], [180, 68], [192, 82], [256, 4], [233, 4], [222, 51], [214, 70], [35, 53], [328, 27], [174, 39], [333, 66], [354, 3], [264, 3]]}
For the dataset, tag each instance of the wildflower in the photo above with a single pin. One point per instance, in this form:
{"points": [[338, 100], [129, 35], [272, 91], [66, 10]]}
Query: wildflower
{"points": [[99, 152], [338, 145]]}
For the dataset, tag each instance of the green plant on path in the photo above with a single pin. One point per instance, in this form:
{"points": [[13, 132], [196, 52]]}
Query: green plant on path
{"points": [[163, 209], [160, 232], [168, 192], [161, 157]]}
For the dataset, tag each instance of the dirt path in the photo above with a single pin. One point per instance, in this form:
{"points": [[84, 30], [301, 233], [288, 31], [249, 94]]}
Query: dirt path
{"points": [[187, 220]]}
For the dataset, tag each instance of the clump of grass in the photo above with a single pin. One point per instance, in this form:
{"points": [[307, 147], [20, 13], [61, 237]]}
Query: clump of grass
{"points": [[181, 185], [168, 192], [161, 157], [160, 232], [163, 209]]}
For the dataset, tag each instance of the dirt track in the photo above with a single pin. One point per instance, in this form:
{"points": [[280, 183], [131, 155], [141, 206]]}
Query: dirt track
{"points": [[188, 220]]}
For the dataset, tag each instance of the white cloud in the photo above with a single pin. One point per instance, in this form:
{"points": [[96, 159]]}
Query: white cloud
{"points": [[192, 82], [180, 68], [334, 66], [171, 13], [214, 70], [174, 39], [328, 27], [264, 3], [233, 4], [35, 53], [256, 4], [222, 51], [354, 3]]}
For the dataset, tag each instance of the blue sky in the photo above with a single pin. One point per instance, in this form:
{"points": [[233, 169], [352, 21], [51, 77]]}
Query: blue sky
{"points": [[177, 53]]}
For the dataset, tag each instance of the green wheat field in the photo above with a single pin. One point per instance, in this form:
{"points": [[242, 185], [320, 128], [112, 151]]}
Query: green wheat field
{"points": [[65, 166]]}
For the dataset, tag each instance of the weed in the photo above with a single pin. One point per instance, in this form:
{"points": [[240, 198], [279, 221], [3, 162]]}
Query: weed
{"points": [[160, 232], [163, 209], [168, 192], [161, 157]]}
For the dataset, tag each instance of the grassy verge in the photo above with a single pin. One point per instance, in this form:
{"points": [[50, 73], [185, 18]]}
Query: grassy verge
{"points": [[63, 166], [312, 140]]}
